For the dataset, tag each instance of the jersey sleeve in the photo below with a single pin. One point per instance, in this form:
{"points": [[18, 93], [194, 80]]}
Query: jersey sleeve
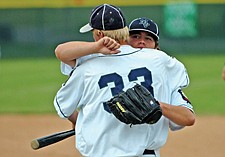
{"points": [[174, 127], [179, 99], [67, 69], [177, 74], [67, 99]]}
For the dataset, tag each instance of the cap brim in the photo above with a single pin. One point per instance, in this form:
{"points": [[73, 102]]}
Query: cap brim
{"points": [[86, 28], [145, 30]]}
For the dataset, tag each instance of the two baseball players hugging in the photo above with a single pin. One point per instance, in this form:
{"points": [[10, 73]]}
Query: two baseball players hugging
{"points": [[120, 78]]}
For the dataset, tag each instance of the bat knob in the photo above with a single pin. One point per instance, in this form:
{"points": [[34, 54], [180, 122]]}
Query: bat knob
{"points": [[34, 144]]}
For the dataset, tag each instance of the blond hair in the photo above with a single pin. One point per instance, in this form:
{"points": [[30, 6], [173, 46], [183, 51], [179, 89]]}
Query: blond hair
{"points": [[120, 35]]}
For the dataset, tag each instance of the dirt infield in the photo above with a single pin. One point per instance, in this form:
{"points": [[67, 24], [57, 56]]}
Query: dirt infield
{"points": [[205, 139]]}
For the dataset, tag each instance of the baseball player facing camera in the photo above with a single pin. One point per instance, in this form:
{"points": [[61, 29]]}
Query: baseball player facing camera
{"points": [[144, 33], [97, 80]]}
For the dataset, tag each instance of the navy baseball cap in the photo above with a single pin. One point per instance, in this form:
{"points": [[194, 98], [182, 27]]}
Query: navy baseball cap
{"points": [[144, 24], [105, 17]]}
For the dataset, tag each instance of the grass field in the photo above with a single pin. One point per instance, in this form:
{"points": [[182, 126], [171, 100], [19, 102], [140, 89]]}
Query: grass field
{"points": [[29, 85], [207, 89]]}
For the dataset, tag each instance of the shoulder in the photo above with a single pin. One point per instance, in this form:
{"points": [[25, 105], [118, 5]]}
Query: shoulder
{"points": [[169, 60], [158, 55], [127, 49], [155, 51]]}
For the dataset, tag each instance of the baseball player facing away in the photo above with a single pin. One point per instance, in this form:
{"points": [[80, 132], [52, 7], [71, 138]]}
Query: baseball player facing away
{"points": [[143, 33], [98, 132]]}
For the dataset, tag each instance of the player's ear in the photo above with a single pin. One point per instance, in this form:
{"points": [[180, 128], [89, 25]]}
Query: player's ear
{"points": [[97, 34], [157, 45], [100, 34]]}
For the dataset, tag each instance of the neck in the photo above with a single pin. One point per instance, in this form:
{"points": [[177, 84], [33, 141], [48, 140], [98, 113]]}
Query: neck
{"points": [[123, 43]]}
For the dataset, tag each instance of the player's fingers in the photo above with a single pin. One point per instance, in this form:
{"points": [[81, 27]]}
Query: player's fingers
{"points": [[114, 52], [111, 43], [107, 40], [113, 46]]}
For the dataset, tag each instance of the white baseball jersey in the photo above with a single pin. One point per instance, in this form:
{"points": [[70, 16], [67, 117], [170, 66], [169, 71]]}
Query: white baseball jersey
{"points": [[98, 132], [67, 69]]}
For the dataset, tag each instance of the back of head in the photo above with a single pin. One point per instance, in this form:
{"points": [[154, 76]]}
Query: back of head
{"points": [[110, 20], [146, 25]]}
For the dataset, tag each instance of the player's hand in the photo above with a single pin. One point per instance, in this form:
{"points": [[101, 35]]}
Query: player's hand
{"points": [[108, 46], [111, 43]]}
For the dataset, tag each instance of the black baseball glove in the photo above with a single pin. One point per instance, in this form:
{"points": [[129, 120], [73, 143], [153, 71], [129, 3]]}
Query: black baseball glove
{"points": [[135, 106]]}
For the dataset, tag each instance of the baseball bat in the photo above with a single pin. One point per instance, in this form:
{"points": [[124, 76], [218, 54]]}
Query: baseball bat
{"points": [[51, 139]]}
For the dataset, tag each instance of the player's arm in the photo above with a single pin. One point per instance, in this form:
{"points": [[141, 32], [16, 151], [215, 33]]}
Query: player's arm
{"points": [[179, 111], [70, 51], [178, 114]]}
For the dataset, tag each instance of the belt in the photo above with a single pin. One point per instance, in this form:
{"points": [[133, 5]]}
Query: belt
{"points": [[148, 152]]}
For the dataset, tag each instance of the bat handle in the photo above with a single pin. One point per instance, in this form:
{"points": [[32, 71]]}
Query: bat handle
{"points": [[48, 140]]}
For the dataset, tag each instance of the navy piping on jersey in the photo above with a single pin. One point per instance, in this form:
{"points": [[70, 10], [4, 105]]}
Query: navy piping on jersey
{"points": [[60, 108], [183, 96], [120, 54]]}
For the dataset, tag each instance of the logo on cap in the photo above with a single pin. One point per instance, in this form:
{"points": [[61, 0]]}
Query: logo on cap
{"points": [[144, 22]]}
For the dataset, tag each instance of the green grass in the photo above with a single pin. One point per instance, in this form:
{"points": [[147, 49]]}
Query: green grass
{"points": [[207, 89], [29, 85]]}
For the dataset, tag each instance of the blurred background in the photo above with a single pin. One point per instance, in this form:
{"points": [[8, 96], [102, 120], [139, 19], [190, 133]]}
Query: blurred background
{"points": [[33, 28], [191, 30]]}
